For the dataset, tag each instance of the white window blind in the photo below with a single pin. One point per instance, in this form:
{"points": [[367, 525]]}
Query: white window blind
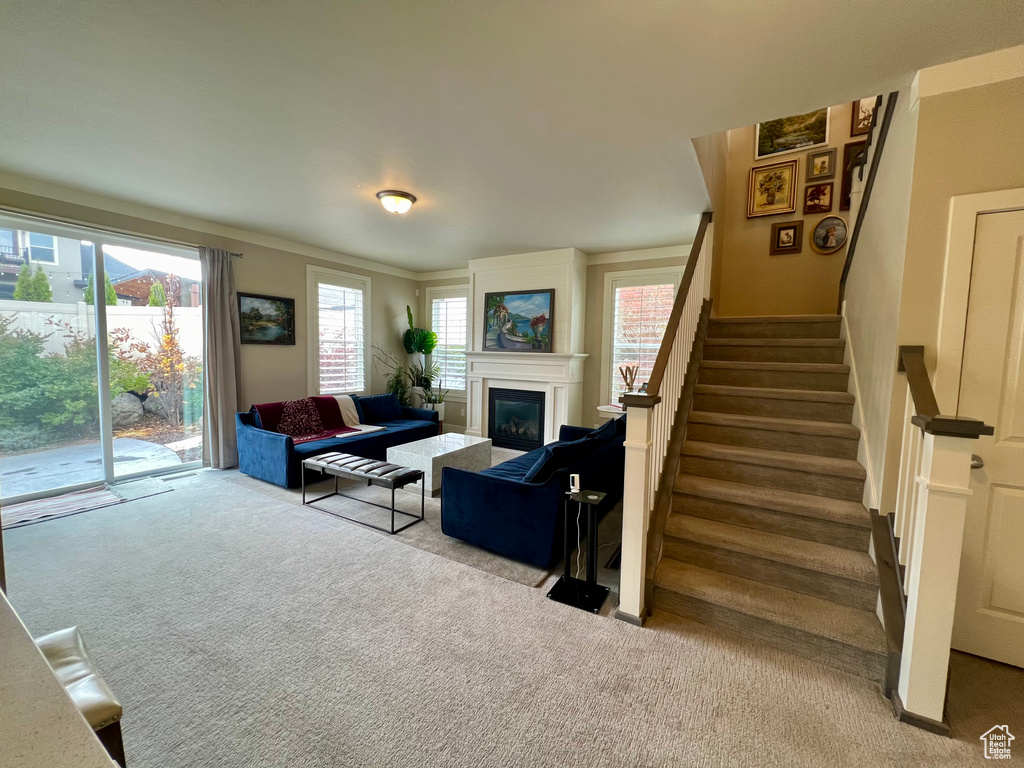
{"points": [[448, 319], [640, 315], [342, 343]]}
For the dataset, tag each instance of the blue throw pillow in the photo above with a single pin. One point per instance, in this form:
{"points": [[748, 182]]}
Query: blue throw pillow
{"points": [[607, 431], [559, 456], [378, 408]]}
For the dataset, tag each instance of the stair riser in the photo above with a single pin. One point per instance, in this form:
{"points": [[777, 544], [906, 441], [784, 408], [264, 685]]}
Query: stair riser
{"points": [[822, 382], [815, 583], [818, 445], [761, 354], [848, 489], [841, 413], [772, 521], [823, 650], [824, 329]]}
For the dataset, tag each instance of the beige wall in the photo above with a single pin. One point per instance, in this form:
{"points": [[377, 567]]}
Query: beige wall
{"points": [[749, 281], [872, 307], [269, 373], [713, 156]]}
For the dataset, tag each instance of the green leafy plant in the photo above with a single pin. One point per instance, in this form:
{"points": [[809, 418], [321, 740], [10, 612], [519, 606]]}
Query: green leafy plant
{"points": [[423, 374], [397, 379], [418, 340], [157, 295], [32, 287], [435, 396], [109, 294]]}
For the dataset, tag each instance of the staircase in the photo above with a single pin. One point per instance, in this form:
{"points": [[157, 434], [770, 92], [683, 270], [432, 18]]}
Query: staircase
{"points": [[767, 535]]}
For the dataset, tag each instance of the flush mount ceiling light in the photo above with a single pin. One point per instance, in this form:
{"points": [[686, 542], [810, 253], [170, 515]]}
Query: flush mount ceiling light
{"points": [[396, 201]]}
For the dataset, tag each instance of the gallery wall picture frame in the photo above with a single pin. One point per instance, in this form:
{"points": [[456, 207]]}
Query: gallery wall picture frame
{"points": [[772, 189], [266, 319], [787, 237], [862, 116], [829, 235], [821, 165], [519, 321], [791, 134], [818, 198], [850, 152]]}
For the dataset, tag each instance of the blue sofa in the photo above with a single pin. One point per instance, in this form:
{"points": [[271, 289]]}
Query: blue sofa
{"points": [[276, 458], [515, 508]]}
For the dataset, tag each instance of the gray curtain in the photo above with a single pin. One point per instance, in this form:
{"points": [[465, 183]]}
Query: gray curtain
{"points": [[221, 376]]}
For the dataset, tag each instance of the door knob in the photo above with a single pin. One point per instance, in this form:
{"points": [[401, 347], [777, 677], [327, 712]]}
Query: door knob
{"points": [[976, 461]]}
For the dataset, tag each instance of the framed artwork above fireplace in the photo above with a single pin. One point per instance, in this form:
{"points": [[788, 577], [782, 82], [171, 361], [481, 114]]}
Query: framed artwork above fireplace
{"points": [[519, 321]]}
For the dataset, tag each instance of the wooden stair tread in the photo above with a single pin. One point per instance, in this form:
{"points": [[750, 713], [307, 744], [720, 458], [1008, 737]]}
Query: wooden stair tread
{"points": [[776, 424], [791, 502], [809, 555], [840, 623], [745, 365], [799, 462], [814, 395], [759, 342], [777, 319]]}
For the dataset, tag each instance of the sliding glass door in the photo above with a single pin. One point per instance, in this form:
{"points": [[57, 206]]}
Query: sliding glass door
{"points": [[74, 413]]}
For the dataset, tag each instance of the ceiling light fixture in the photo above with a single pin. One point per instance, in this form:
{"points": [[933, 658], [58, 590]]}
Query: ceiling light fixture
{"points": [[396, 201]]}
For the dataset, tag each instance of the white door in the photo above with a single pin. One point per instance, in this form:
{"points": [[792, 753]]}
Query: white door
{"points": [[990, 598]]}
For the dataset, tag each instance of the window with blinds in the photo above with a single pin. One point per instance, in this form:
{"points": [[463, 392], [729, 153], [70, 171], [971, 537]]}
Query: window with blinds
{"points": [[640, 315], [342, 343], [449, 320]]}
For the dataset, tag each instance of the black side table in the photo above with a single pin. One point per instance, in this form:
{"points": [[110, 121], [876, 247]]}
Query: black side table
{"points": [[586, 595]]}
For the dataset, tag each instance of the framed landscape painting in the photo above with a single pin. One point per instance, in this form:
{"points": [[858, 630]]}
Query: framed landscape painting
{"points": [[791, 134], [772, 189], [519, 321], [266, 319]]}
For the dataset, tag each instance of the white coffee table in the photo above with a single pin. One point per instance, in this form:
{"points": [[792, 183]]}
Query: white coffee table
{"points": [[435, 453]]}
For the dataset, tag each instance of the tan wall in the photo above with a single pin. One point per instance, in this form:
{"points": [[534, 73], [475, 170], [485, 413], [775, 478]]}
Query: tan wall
{"points": [[593, 369], [873, 301], [269, 373], [748, 280], [713, 156]]}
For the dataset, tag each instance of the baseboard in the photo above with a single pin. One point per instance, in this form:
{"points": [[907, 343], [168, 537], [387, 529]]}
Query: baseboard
{"points": [[629, 618], [459, 428], [924, 723]]}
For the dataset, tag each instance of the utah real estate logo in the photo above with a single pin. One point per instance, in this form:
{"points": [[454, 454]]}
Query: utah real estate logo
{"points": [[997, 742]]}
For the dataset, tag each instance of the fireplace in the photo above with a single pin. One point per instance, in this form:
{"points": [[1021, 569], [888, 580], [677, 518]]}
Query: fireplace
{"points": [[516, 418]]}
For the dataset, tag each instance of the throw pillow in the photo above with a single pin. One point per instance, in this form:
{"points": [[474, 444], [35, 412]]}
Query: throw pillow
{"points": [[559, 456], [378, 408], [300, 418]]}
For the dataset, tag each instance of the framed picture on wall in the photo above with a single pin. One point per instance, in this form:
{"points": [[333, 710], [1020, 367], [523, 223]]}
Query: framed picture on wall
{"points": [[818, 198], [772, 189], [787, 237], [519, 321], [821, 165], [829, 234], [266, 319], [863, 113], [791, 134], [850, 153]]}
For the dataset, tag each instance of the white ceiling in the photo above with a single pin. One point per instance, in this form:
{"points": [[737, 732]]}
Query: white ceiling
{"points": [[520, 126]]}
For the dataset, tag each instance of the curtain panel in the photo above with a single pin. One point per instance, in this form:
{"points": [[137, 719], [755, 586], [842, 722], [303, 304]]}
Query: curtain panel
{"points": [[221, 371]]}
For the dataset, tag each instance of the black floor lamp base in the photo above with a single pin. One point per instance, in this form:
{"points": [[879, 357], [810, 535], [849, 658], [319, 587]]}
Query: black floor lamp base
{"points": [[579, 594]]}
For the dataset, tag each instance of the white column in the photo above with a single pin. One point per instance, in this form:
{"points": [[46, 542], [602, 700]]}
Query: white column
{"points": [[934, 570], [634, 514]]}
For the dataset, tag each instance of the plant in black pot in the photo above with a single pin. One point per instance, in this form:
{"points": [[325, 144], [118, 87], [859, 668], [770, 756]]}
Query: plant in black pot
{"points": [[419, 341]]}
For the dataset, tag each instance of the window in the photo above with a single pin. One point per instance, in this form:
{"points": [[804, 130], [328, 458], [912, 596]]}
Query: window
{"points": [[41, 247], [339, 328], [638, 305], [449, 310], [8, 244]]}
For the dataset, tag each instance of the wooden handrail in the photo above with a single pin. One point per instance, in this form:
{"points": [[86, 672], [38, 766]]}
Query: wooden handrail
{"points": [[890, 108], [653, 395], [911, 362]]}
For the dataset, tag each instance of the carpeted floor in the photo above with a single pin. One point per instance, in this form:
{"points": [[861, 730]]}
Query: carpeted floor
{"points": [[240, 630]]}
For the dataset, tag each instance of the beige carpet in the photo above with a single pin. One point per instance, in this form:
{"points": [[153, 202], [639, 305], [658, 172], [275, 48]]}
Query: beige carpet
{"points": [[239, 630]]}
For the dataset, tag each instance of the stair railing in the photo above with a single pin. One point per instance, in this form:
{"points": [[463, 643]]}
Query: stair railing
{"points": [[931, 504], [650, 418]]}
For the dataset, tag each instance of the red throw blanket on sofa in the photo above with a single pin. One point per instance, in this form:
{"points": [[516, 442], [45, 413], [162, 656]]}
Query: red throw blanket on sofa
{"points": [[305, 420]]}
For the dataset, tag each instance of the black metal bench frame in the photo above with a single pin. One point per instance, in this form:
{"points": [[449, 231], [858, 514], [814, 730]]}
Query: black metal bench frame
{"points": [[409, 477]]}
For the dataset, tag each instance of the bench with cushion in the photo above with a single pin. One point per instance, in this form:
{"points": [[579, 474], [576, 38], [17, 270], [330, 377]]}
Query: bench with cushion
{"points": [[515, 508], [319, 426]]}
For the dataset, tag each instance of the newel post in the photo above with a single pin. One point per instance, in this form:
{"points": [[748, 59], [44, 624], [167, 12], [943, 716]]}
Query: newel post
{"points": [[943, 490], [635, 513]]}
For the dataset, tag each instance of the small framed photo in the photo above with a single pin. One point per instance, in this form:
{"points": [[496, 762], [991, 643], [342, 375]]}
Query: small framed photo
{"points": [[266, 319], [787, 237], [851, 152], [772, 189], [821, 165], [829, 235], [818, 198], [863, 114]]}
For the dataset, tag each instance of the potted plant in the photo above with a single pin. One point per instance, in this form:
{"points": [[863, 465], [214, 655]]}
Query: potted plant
{"points": [[396, 377], [434, 400], [421, 377]]}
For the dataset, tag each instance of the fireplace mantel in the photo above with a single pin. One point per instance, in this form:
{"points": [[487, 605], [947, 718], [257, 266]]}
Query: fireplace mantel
{"points": [[558, 375]]}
